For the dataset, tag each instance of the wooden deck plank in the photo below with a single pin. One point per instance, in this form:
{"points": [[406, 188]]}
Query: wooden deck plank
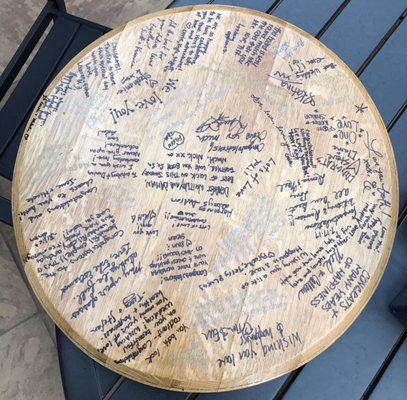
{"points": [[360, 27]]}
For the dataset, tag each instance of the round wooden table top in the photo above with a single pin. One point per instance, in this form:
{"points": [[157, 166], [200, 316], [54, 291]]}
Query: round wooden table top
{"points": [[205, 198]]}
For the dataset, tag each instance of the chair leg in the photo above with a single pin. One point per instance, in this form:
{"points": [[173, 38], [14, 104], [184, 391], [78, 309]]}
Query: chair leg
{"points": [[60, 5]]}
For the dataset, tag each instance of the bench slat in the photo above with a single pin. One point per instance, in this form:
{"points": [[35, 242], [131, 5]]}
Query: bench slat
{"points": [[182, 3], [259, 392], [259, 5], [399, 140], [385, 78], [394, 381], [308, 15], [134, 390], [105, 378], [360, 27], [77, 371]]}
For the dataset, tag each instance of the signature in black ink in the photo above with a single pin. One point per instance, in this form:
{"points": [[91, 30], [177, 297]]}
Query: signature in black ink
{"points": [[245, 330], [214, 124], [369, 143]]}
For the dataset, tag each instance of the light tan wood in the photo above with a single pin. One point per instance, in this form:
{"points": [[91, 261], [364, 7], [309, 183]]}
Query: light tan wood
{"points": [[205, 198]]}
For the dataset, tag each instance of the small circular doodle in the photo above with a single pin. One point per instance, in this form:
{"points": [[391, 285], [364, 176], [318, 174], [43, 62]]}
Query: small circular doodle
{"points": [[173, 139]]}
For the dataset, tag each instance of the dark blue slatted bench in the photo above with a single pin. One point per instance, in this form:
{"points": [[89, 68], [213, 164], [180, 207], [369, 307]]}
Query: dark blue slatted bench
{"points": [[370, 359]]}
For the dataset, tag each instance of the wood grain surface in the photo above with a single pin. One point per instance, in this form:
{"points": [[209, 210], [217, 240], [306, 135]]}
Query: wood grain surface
{"points": [[205, 198]]}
